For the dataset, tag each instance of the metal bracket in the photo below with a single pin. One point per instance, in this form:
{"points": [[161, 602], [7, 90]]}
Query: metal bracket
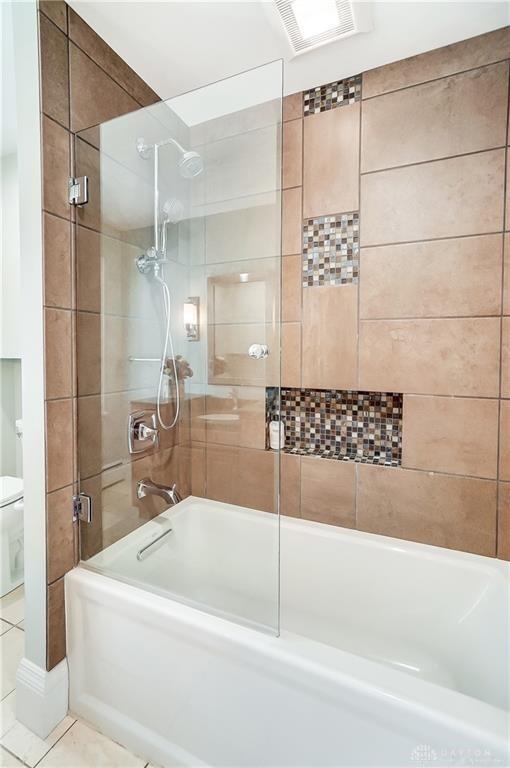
{"points": [[142, 432], [79, 190], [82, 508]]}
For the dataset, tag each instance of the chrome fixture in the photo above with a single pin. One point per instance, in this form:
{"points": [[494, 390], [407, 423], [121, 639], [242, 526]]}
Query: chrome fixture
{"points": [[190, 163], [148, 261], [78, 190], [191, 317], [148, 548], [258, 351], [142, 432], [148, 487], [82, 508]]}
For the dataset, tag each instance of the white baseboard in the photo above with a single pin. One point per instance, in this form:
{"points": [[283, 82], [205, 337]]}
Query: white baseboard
{"points": [[41, 696]]}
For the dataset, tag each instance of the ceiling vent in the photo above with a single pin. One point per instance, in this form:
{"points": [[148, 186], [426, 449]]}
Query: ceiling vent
{"points": [[311, 23]]}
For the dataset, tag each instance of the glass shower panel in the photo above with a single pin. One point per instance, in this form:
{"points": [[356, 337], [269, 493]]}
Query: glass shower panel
{"points": [[178, 345]]}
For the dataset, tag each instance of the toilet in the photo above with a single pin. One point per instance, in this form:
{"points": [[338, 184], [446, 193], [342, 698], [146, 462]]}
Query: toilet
{"points": [[11, 533]]}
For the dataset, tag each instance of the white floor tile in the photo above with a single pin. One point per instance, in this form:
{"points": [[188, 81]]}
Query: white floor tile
{"points": [[7, 760], [81, 747], [4, 626], [12, 606], [22, 742], [12, 647], [21, 625]]}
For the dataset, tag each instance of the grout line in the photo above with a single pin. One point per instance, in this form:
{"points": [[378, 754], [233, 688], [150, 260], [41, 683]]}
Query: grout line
{"points": [[57, 741], [432, 80], [430, 239], [433, 160], [429, 317]]}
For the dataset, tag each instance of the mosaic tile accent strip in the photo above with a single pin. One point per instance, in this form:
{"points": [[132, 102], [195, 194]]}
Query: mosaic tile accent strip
{"points": [[332, 95], [364, 427], [331, 250]]}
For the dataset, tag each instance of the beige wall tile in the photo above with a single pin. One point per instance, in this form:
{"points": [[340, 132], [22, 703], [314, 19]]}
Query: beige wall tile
{"points": [[415, 280], [59, 444], [451, 116], [291, 288], [468, 54], [95, 97], [293, 106], [56, 168], [90, 454], [443, 510], [291, 355], [88, 163], [90, 42], [292, 155], [58, 353], [91, 535], [221, 463], [245, 417], [506, 277], [241, 476], [198, 470], [507, 202], [505, 359], [57, 262], [290, 485], [292, 223], [431, 357], [328, 491], [229, 362], [60, 534], [446, 198], [331, 162], [56, 624], [504, 521], [88, 270], [54, 71], [504, 441], [454, 435], [330, 343], [56, 10], [88, 353]]}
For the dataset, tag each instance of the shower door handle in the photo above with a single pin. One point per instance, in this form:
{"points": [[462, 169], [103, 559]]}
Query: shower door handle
{"points": [[258, 351]]}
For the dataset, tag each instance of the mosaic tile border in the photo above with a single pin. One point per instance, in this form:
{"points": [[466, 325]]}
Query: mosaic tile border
{"points": [[331, 250], [365, 427], [332, 95]]}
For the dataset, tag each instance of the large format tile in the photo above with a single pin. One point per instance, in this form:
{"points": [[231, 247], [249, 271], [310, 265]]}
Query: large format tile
{"points": [[451, 116], [292, 154], [56, 168], [58, 353], [447, 511], [468, 54], [291, 288], [444, 198], [506, 283], [12, 648], [331, 162], [88, 270], [290, 355], [93, 45], [330, 327], [457, 356], [12, 606], [4, 626], [56, 10], [237, 419], [57, 262], [82, 747], [56, 624], [290, 485], [328, 491], [504, 441], [95, 97], [241, 476], [90, 422], [60, 535], [292, 223], [504, 521], [454, 435], [415, 280], [88, 353], [22, 742], [505, 358], [7, 760], [54, 71], [292, 106], [59, 444]]}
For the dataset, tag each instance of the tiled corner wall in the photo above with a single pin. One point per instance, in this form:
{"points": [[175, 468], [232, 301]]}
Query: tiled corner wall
{"points": [[83, 82], [396, 279]]}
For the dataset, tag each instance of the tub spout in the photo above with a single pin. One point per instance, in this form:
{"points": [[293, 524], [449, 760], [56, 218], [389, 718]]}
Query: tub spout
{"points": [[148, 487]]}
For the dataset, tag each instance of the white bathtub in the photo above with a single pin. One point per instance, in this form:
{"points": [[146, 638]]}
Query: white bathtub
{"points": [[390, 653]]}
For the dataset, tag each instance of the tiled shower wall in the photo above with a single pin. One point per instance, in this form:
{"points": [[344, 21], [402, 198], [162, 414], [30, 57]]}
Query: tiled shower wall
{"points": [[83, 82], [396, 279]]}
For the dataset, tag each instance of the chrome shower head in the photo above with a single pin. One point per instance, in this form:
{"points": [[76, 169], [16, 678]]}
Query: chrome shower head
{"points": [[190, 164]]}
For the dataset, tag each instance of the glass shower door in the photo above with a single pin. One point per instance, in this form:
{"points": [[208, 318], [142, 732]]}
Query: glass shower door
{"points": [[178, 345]]}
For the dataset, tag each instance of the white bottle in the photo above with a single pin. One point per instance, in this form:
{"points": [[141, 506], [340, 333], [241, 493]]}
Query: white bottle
{"points": [[276, 435]]}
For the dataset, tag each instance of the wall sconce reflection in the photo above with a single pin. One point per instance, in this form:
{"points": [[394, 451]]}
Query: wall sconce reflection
{"points": [[192, 318]]}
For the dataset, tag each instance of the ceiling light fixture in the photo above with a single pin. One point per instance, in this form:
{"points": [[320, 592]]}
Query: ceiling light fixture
{"points": [[311, 23]]}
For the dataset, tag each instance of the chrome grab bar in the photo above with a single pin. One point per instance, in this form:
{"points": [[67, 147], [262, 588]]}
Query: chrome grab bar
{"points": [[144, 551]]}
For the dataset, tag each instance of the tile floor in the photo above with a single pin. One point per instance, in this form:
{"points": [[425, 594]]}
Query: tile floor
{"points": [[72, 744]]}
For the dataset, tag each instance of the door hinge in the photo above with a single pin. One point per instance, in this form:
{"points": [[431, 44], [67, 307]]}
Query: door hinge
{"points": [[82, 508], [78, 190]]}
